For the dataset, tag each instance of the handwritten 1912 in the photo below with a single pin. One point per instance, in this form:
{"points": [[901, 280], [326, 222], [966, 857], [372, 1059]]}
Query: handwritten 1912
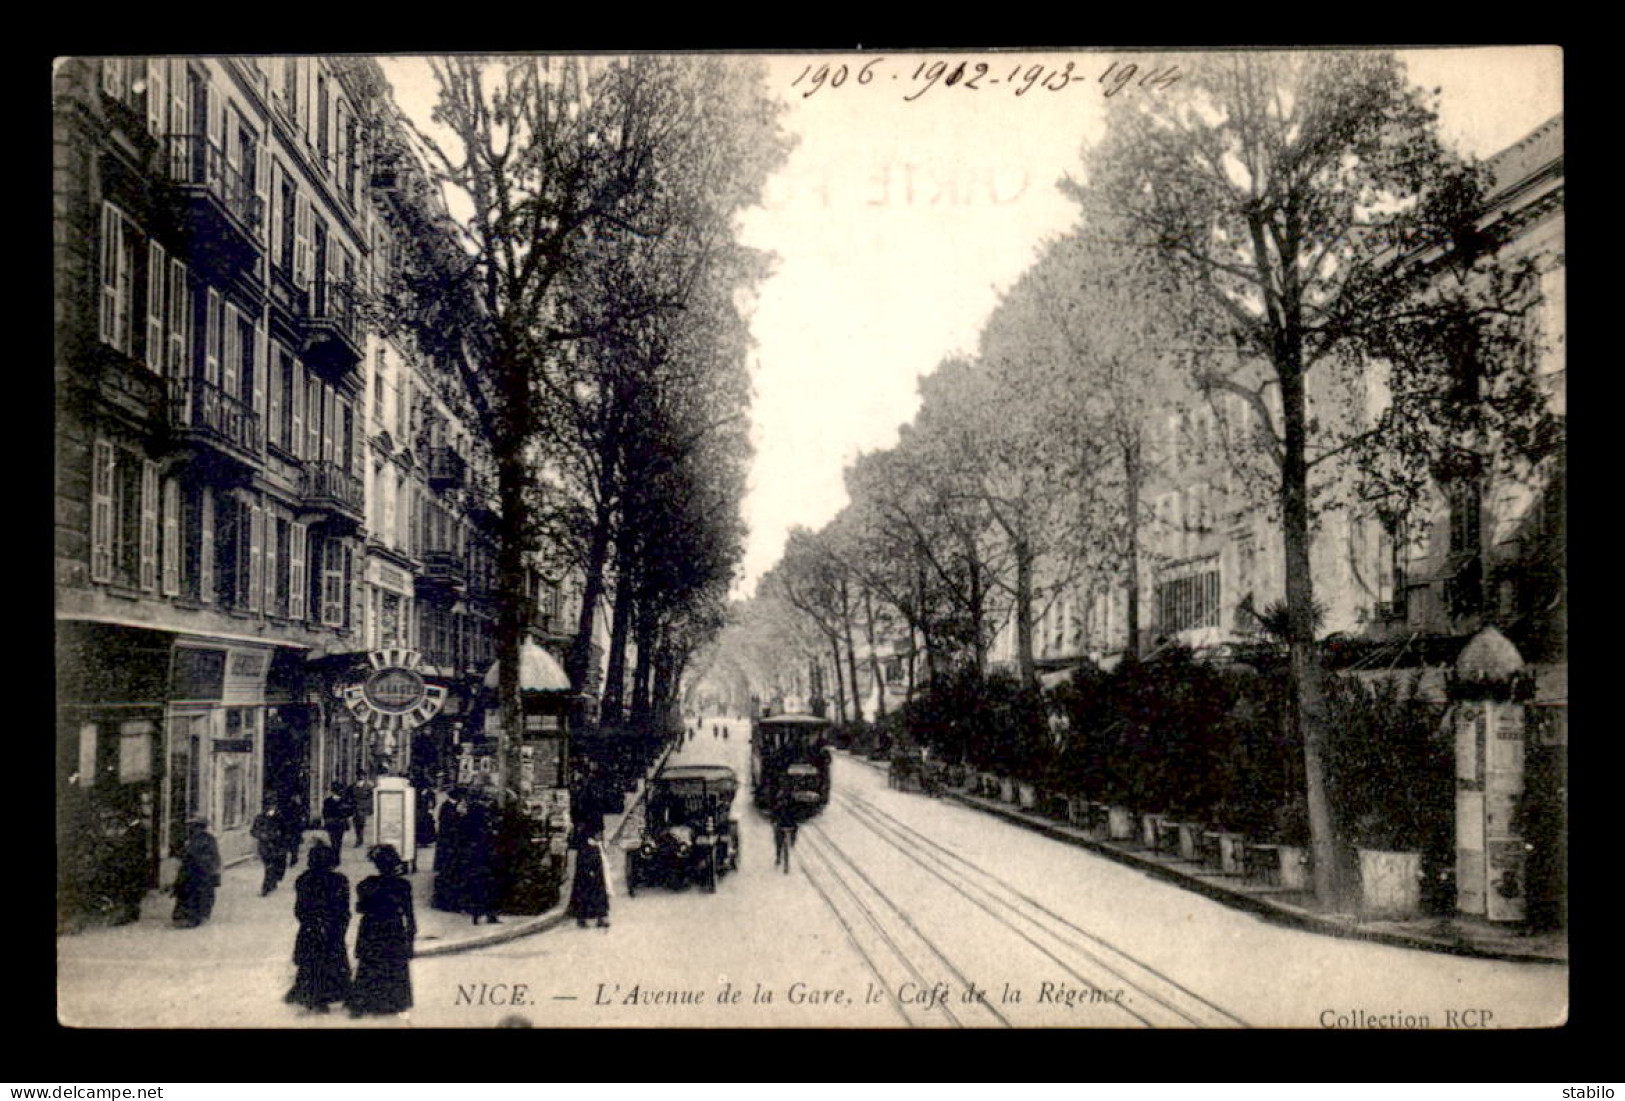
{"points": [[1021, 78]]}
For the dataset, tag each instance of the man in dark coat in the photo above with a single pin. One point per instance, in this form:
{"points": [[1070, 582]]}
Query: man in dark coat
{"points": [[360, 808], [199, 876], [479, 862], [271, 837], [336, 812]]}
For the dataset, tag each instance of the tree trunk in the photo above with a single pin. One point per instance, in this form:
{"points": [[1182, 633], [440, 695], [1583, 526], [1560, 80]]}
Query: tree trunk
{"points": [[1308, 688], [840, 687], [1131, 472], [1026, 667], [647, 629], [851, 655], [874, 656], [611, 711], [580, 670]]}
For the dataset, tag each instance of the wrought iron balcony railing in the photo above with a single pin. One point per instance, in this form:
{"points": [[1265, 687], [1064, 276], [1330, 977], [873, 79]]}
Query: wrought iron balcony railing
{"points": [[206, 412], [328, 485], [195, 163]]}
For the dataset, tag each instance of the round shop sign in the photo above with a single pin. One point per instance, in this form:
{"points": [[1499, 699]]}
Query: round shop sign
{"points": [[394, 691]]}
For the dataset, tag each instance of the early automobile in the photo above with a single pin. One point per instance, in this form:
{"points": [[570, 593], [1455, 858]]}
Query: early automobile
{"points": [[689, 833]]}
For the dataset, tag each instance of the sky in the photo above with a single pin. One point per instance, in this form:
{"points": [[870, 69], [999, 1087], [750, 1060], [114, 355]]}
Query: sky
{"points": [[909, 205]]}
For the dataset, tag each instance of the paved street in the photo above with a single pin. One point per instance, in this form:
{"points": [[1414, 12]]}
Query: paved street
{"points": [[901, 911]]}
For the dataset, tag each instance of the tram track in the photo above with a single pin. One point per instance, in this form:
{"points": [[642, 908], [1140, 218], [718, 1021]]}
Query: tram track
{"points": [[1106, 974], [908, 965]]}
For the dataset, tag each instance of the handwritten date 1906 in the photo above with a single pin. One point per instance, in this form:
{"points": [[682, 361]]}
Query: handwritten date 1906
{"points": [[914, 82]]}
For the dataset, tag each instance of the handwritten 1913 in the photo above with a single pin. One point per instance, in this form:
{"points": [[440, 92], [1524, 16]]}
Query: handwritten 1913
{"points": [[1021, 78]]}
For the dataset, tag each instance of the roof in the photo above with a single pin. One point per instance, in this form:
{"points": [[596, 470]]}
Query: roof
{"points": [[709, 773], [539, 671], [794, 720], [1535, 151]]}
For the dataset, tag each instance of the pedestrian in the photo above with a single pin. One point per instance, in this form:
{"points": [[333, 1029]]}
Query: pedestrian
{"points": [[199, 876], [589, 893], [383, 945], [360, 808], [424, 812], [785, 825], [336, 811], [272, 842], [293, 828], [126, 865], [322, 905], [479, 862], [449, 847]]}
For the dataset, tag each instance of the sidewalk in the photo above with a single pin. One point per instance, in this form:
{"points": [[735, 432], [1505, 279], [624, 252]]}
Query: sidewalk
{"points": [[243, 916], [1455, 935]]}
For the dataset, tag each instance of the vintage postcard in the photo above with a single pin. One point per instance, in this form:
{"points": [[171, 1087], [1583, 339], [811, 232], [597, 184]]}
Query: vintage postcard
{"points": [[874, 540]]}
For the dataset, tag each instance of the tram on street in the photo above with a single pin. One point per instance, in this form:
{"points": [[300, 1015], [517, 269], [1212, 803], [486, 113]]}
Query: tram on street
{"points": [[789, 762]]}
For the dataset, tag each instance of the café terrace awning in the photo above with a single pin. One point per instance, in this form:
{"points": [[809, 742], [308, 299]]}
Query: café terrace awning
{"points": [[539, 671]]}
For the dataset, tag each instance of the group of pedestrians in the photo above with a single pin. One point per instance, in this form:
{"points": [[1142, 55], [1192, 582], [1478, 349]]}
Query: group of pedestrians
{"points": [[382, 983], [465, 857]]}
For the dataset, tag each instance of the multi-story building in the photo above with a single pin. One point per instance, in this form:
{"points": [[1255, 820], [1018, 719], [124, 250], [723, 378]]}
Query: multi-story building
{"points": [[260, 479], [1489, 551]]}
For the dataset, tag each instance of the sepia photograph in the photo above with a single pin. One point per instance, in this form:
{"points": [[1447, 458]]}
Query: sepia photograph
{"points": [[1004, 539]]}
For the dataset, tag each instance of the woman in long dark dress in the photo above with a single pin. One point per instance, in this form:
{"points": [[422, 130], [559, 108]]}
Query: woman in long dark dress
{"points": [[199, 876], [322, 905], [479, 862], [449, 847], [383, 947], [589, 893]]}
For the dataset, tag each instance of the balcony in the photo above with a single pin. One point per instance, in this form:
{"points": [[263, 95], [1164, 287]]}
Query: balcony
{"points": [[447, 469], [203, 413], [445, 574], [332, 329], [329, 488], [222, 211]]}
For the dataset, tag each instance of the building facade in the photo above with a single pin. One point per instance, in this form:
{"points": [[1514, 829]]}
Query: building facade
{"points": [[263, 474]]}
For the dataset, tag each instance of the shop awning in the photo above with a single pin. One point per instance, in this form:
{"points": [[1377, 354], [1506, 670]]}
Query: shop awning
{"points": [[539, 671]]}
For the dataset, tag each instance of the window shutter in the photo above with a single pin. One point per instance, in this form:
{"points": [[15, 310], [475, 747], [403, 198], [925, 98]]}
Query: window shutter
{"points": [[273, 603], [297, 590], [157, 274], [261, 363], [276, 357], [101, 512], [149, 525], [329, 416], [256, 556], [206, 548], [302, 257], [346, 593], [157, 96], [296, 398], [274, 211], [211, 339], [113, 77], [261, 184], [180, 111], [313, 420], [214, 127], [229, 381], [180, 321], [172, 538], [111, 230]]}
